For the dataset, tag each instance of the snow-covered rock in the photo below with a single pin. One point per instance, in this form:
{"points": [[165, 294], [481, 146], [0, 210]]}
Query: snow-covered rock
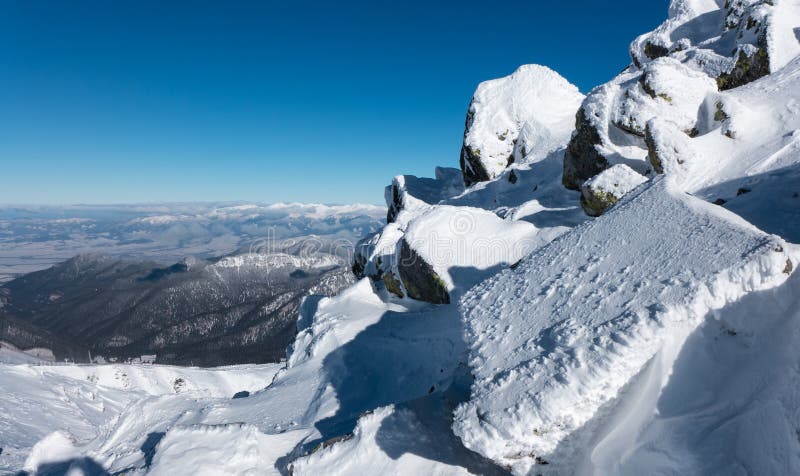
{"points": [[702, 47], [450, 240], [602, 191], [534, 99], [735, 42], [410, 192], [554, 342], [658, 338]]}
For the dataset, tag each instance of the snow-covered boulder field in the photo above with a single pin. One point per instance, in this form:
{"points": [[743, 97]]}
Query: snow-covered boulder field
{"points": [[703, 47], [607, 286]]}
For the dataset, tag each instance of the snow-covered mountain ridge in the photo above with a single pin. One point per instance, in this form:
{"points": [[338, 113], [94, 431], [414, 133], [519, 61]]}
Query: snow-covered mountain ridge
{"points": [[499, 328]]}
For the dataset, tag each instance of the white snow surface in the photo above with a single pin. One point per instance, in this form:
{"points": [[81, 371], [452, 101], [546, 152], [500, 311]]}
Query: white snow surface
{"points": [[55, 415], [10, 354], [555, 341]]}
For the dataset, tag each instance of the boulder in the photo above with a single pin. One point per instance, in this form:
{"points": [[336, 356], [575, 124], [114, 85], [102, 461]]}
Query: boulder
{"points": [[582, 160], [751, 64], [601, 192], [410, 192], [393, 285], [419, 279], [499, 110]]}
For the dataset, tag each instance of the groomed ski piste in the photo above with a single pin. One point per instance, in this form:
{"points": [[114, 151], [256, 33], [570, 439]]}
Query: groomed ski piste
{"points": [[661, 337]]}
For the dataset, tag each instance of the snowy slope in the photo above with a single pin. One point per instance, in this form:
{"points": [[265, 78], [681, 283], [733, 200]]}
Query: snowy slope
{"points": [[61, 412], [10, 354], [558, 338]]}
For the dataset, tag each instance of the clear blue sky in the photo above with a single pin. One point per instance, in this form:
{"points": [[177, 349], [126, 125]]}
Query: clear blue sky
{"points": [[139, 101]]}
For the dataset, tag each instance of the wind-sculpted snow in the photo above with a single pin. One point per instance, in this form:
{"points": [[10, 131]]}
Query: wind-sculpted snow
{"points": [[555, 342], [54, 416], [659, 338]]}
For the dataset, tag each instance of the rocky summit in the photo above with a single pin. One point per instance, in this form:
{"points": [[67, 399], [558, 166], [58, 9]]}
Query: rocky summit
{"points": [[606, 285]]}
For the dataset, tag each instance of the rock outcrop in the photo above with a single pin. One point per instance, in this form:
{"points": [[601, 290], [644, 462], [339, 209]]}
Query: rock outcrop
{"points": [[700, 50], [419, 278], [410, 192], [601, 192], [582, 159], [501, 108]]}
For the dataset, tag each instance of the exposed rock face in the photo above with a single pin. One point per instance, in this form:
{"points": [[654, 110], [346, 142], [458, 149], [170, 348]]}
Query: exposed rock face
{"points": [[652, 151], [501, 108], [393, 285], [748, 68], [582, 160], [654, 51], [395, 203], [420, 280], [367, 262], [601, 192], [472, 167], [359, 264]]}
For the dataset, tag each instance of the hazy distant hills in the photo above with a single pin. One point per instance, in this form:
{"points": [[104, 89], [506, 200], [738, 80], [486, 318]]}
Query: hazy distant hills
{"points": [[35, 237]]}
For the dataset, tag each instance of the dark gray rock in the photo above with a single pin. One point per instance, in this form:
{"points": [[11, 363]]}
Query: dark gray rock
{"points": [[582, 161], [471, 166], [420, 280], [747, 69]]}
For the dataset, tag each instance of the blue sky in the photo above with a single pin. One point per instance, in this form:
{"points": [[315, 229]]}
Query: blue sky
{"points": [[141, 101]]}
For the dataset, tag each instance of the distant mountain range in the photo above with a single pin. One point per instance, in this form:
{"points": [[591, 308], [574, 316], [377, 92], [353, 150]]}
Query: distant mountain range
{"points": [[123, 281], [36, 237], [236, 309]]}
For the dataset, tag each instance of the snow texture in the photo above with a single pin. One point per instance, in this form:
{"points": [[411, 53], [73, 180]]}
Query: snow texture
{"points": [[555, 341]]}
